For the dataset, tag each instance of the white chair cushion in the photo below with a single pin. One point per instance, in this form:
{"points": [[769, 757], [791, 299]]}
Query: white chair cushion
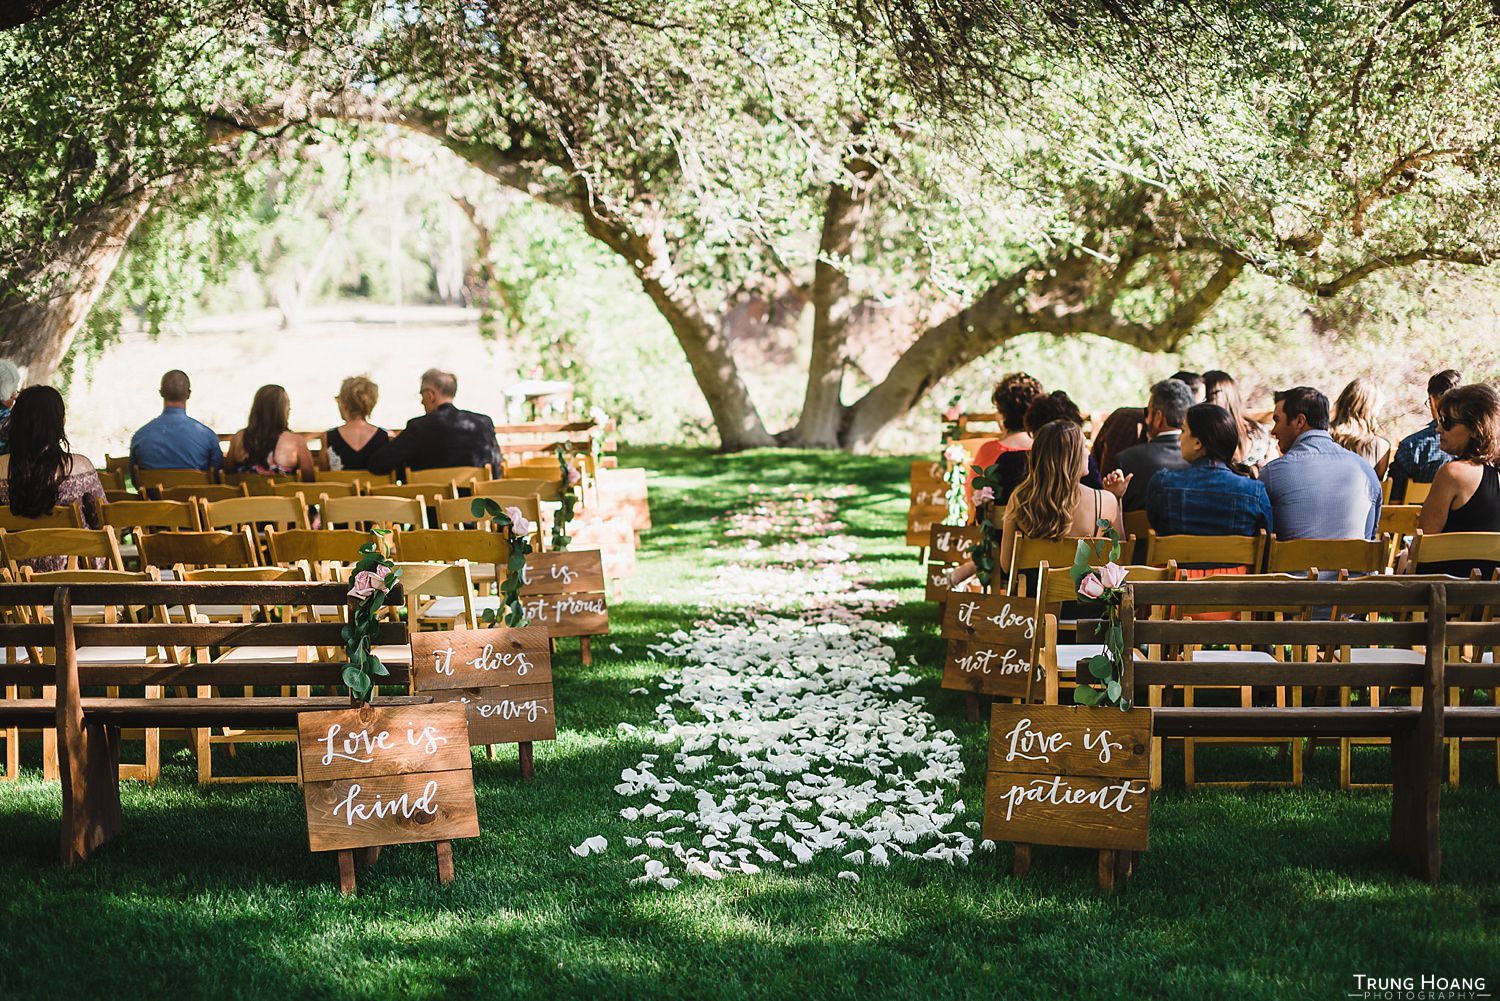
{"points": [[393, 654], [1233, 656], [452, 608], [1370, 655], [115, 654], [177, 613], [263, 654]]}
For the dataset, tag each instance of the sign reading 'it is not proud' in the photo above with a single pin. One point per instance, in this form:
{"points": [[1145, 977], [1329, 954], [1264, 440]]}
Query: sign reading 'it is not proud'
{"points": [[1069, 775], [564, 593], [991, 644]]}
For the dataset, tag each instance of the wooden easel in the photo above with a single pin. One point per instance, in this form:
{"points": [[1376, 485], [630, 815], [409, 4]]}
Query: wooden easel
{"points": [[351, 859]]}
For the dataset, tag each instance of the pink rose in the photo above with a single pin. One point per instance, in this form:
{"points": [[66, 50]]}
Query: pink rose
{"points": [[1112, 576], [518, 522], [367, 582], [984, 495], [952, 414], [1090, 588], [574, 477]]}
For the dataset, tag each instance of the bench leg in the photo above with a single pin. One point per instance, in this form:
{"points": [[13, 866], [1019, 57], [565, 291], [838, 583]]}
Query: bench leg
{"points": [[90, 775], [1414, 815]]}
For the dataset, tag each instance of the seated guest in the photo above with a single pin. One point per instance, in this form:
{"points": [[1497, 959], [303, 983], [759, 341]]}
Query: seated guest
{"points": [[174, 440], [265, 445], [1420, 456], [1123, 428], [1318, 488], [1011, 467], [1013, 395], [1256, 446], [40, 472], [1354, 418], [1465, 493], [1213, 495], [352, 443], [1194, 382], [443, 436], [1170, 400], [1051, 503], [10, 385]]}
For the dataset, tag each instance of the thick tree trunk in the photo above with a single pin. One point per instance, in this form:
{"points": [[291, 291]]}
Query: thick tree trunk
{"points": [[42, 312]]}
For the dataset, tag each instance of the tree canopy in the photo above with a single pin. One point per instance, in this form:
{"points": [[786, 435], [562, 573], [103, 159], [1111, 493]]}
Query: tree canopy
{"points": [[948, 177]]}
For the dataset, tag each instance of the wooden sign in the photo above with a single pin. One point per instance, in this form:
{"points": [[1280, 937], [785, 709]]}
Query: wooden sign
{"points": [[929, 501], [991, 644], [947, 546], [623, 492], [502, 678], [1069, 775], [386, 776], [564, 593], [612, 537]]}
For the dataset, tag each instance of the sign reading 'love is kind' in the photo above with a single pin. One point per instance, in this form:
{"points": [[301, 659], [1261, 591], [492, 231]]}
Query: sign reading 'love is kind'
{"points": [[501, 677], [991, 644], [1069, 775], [386, 776]]}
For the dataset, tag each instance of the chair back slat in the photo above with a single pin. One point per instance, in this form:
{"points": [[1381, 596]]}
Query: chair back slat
{"points": [[165, 550], [61, 516], [1301, 555]]}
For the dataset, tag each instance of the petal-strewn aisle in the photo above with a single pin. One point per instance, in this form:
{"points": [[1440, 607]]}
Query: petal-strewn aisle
{"points": [[784, 735]]}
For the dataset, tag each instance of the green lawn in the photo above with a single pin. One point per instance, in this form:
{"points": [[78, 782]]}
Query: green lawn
{"points": [[1268, 894]]}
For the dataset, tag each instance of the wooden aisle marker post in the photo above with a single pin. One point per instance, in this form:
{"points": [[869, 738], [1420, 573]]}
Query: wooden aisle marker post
{"points": [[564, 594], [1070, 775], [386, 776], [502, 678], [991, 646]]}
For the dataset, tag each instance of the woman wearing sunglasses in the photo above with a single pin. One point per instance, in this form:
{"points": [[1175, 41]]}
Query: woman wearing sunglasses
{"points": [[1465, 493]]}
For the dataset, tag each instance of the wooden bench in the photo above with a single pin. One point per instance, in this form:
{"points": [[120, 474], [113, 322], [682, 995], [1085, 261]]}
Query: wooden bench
{"points": [[88, 727], [1416, 732]]}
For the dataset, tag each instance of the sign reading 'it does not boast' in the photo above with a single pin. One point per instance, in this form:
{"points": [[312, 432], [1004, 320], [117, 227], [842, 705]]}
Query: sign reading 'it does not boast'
{"points": [[1069, 775]]}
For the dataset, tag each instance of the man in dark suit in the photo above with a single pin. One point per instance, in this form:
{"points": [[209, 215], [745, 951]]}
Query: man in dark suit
{"points": [[443, 436], [1170, 400]]}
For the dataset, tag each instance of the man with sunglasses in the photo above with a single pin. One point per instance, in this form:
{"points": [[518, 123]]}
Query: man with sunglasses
{"points": [[1420, 456]]}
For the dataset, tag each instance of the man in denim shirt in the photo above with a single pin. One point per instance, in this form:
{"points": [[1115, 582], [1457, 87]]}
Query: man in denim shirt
{"points": [[1419, 457], [1318, 488], [174, 440]]}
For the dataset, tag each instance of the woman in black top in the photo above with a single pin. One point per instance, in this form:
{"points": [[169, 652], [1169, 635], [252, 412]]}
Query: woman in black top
{"points": [[1465, 493], [351, 444]]}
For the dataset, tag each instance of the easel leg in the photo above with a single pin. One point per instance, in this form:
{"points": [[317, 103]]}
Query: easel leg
{"points": [[588, 652], [444, 861], [971, 707], [1022, 864], [489, 750], [366, 856], [346, 872], [528, 769], [1106, 873]]}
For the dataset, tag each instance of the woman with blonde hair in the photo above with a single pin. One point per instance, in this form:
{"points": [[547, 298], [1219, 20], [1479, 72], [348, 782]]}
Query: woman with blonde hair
{"points": [[1354, 418], [1051, 503], [352, 443]]}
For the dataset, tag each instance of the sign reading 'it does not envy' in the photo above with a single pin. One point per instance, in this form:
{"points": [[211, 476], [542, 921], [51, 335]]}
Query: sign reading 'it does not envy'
{"points": [[991, 641], [386, 776], [502, 678], [1069, 775]]}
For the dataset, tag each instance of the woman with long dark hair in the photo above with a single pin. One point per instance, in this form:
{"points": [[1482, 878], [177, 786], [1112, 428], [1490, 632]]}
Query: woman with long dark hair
{"points": [[1465, 493], [40, 472], [265, 445], [1257, 447], [1215, 494]]}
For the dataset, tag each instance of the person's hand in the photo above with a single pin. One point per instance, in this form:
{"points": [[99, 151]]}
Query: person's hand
{"points": [[1117, 482], [961, 573]]}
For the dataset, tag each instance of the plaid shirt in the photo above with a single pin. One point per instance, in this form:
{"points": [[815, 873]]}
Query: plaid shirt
{"points": [[1417, 460], [1207, 498]]}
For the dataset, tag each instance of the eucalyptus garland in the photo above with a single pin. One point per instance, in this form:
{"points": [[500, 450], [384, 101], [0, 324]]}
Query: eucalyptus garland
{"points": [[517, 531], [956, 473], [1106, 585], [571, 477], [370, 582], [985, 552]]}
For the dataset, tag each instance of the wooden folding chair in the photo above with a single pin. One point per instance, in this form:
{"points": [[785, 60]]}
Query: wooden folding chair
{"points": [[1027, 555], [458, 513], [1310, 556], [204, 738], [365, 513], [1211, 551], [483, 550], [425, 491], [193, 494], [324, 552], [147, 480], [518, 486], [198, 550], [143, 656], [72, 544], [310, 491], [61, 516], [359, 478], [132, 519], [1399, 523], [256, 513], [464, 476], [256, 484]]}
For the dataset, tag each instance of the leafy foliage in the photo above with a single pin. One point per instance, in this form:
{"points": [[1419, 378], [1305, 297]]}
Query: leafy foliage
{"points": [[371, 581], [512, 610]]}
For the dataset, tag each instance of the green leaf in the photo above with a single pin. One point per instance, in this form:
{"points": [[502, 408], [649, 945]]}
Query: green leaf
{"points": [[1085, 696], [1100, 667], [1112, 689]]}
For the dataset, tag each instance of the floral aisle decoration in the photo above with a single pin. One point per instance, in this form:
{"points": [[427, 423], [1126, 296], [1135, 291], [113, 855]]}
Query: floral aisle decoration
{"points": [[571, 478], [517, 531], [1104, 586], [957, 472], [951, 417], [986, 551], [597, 433], [369, 584]]}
